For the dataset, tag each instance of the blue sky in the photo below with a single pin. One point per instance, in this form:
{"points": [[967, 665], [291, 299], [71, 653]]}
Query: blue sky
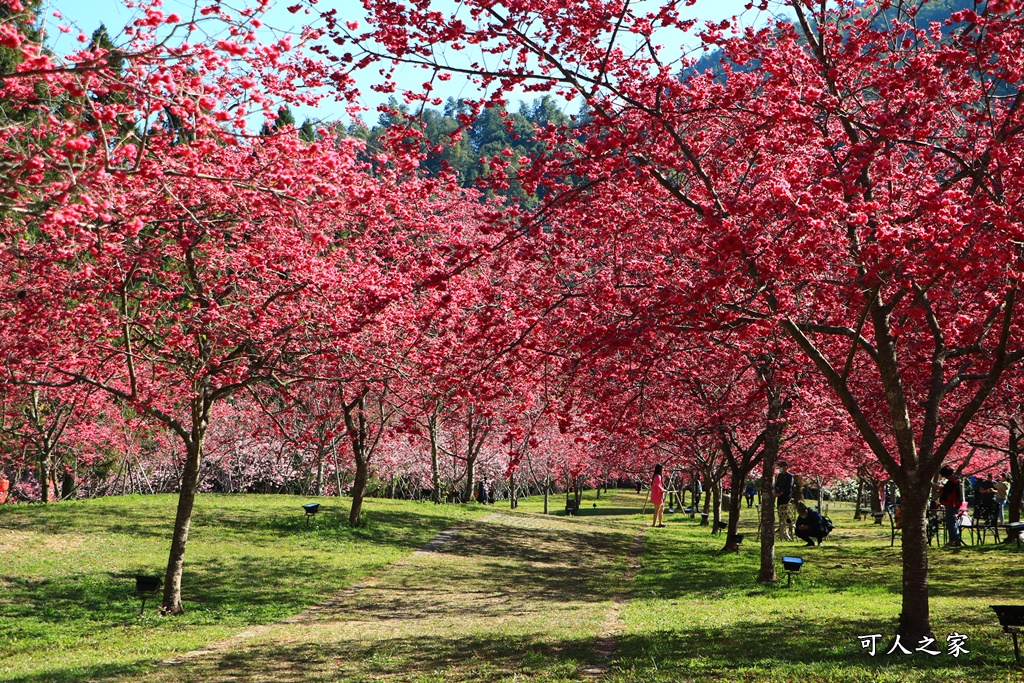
{"points": [[87, 15]]}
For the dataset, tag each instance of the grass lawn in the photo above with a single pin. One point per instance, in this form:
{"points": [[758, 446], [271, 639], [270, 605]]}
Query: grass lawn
{"points": [[516, 597], [67, 606], [697, 614]]}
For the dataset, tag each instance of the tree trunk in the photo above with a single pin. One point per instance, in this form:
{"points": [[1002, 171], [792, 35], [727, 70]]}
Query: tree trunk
{"points": [[766, 573], [43, 474], [182, 522], [716, 508], [735, 500], [337, 472], [708, 495], [876, 498], [435, 469], [1016, 483], [68, 485], [358, 491], [914, 620], [467, 490], [319, 472], [547, 492], [860, 497]]}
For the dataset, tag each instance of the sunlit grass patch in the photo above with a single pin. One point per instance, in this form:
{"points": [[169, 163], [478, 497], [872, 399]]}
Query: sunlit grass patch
{"points": [[67, 573]]}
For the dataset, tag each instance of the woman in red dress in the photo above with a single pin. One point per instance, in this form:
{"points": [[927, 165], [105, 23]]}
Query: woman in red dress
{"points": [[658, 496]]}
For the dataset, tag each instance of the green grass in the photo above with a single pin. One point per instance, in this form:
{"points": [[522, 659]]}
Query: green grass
{"points": [[515, 597], [697, 614], [67, 600]]}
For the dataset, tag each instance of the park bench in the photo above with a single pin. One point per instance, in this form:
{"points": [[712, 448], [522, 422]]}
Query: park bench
{"points": [[1014, 530], [572, 507], [877, 516], [987, 520], [895, 524], [1011, 618]]}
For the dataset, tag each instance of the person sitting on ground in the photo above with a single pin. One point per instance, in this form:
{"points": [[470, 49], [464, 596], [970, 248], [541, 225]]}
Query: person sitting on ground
{"points": [[809, 525]]}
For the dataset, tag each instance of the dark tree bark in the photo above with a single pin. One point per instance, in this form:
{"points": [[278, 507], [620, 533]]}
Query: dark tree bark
{"points": [[194, 442], [1016, 482]]}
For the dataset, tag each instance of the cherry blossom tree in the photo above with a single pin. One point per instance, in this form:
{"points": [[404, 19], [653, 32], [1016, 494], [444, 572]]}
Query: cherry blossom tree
{"points": [[179, 264], [856, 172]]}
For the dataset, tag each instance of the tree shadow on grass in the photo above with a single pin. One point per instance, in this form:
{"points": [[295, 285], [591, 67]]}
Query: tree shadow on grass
{"points": [[82, 674], [682, 568], [588, 510], [813, 643], [556, 564], [82, 519], [238, 589], [462, 657]]}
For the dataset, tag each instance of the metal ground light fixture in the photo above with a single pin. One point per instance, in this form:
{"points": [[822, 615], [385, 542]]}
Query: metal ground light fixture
{"points": [[310, 509], [791, 565], [1011, 617], [146, 586]]}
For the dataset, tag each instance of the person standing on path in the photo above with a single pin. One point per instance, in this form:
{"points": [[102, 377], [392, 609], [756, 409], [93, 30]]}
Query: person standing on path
{"points": [[783, 496], [658, 496], [949, 495], [1002, 494]]}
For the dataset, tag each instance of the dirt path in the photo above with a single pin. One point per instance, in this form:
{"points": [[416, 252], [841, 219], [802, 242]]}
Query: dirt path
{"points": [[510, 597]]}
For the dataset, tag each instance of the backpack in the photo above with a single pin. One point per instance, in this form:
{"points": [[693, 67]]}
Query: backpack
{"points": [[827, 524]]}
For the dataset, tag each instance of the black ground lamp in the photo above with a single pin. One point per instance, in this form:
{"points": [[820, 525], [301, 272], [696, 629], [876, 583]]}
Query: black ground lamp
{"points": [[791, 565], [146, 586], [311, 509]]}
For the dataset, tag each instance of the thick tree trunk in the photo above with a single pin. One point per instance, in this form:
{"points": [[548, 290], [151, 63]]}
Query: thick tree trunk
{"points": [[914, 620], [182, 522], [766, 573], [860, 497], [355, 515]]}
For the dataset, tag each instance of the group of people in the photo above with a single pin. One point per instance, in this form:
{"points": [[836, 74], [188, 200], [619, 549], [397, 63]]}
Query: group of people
{"points": [[485, 493], [809, 526], [990, 500]]}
